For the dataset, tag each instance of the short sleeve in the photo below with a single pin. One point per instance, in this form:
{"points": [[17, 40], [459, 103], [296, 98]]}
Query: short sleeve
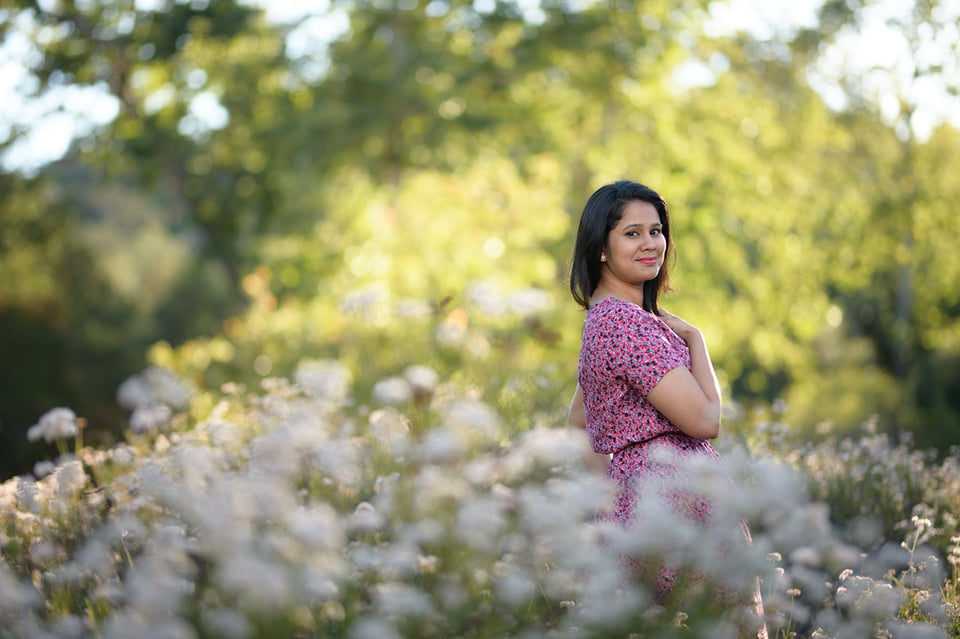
{"points": [[647, 354]]}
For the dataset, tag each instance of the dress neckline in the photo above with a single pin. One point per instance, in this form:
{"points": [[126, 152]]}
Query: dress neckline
{"points": [[622, 301]]}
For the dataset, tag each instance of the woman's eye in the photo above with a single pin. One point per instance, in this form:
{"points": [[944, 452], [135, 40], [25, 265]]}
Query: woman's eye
{"points": [[655, 232]]}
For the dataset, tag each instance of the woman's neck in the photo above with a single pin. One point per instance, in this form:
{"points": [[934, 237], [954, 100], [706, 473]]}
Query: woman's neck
{"points": [[623, 292]]}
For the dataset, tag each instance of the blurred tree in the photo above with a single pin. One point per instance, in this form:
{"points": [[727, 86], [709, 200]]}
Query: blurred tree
{"points": [[60, 320], [251, 204], [895, 290], [119, 279]]}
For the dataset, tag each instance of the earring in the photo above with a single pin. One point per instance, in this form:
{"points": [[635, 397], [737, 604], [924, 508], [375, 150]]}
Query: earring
{"points": [[603, 258]]}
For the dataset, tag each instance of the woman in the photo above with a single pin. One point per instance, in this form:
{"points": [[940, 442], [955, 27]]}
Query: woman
{"points": [[646, 383]]}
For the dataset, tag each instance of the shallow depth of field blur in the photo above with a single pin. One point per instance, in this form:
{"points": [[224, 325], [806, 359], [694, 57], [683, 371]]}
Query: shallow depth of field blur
{"points": [[288, 342]]}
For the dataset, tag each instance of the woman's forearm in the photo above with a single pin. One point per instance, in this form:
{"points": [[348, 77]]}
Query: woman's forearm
{"points": [[597, 463], [702, 366]]}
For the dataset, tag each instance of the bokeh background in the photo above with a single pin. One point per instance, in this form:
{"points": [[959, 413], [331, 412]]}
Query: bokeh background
{"points": [[227, 188]]}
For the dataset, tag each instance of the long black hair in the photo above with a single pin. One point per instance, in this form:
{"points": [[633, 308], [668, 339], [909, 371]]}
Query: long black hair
{"points": [[601, 213]]}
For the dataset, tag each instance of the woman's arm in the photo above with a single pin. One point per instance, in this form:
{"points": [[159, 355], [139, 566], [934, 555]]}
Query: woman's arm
{"points": [[691, 401], [596, 462]]}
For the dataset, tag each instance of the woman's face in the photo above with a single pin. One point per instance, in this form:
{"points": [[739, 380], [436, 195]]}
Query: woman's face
{"points": [[635, 246]]}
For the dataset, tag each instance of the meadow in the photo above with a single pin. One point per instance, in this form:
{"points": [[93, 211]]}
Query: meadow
{"points": [[339, 257], [294, 509]]}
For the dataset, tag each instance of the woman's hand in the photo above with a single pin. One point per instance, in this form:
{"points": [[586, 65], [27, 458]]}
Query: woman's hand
{"points": [[681, 327], [690, 399]]}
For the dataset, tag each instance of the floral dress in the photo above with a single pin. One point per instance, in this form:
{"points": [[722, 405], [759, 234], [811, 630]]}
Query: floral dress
{"points": [[625, 352]]}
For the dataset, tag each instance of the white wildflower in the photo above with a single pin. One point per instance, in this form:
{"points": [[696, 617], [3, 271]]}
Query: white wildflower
{"points": [[196, 465], [371, 627], [452, 595], [806, 556], [503, 493], [515, 588], [480, 523], [150, 417], [43, 468], [134, 626], [412, 308], [554, 446], [153, 587], [55, 424], [391, 430], [530, 301], [111, 592], [71, 479], [366, 518], [169, 388], [439, 445], [422, 378], [882, 602], [8, 494], [842, 554], [471, 418], [802, 524], [316, 527], [320, 578], [123, 454], [540, 513], [161, 445], [340, 460], [435, 488], [275, 453], [15, 595], [42, 551], [478, 346], [391, 391], [810, 582], [69, 627], [450, 334], [427, 564], [399, 561], [325, 378], [95, 557], [479, 470], [227, 623], [134, 392], [915, 630], [853, 589], [155, 385], [371, 304], [401, 600], [224, 435], [263, 585], [28, 495], [333, 611], [487, 296], [424, 531], [605, 601]]}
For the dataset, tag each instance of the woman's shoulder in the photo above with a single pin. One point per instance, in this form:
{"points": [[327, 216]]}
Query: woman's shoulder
{"points": [[613, 317], [614, 308]]}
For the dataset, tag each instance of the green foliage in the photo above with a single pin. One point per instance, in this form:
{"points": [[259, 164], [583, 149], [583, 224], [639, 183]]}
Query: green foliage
{"points": [[353, 201]]}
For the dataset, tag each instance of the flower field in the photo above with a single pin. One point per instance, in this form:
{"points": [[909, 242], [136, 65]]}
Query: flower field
{"points": [[296, 510]]}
